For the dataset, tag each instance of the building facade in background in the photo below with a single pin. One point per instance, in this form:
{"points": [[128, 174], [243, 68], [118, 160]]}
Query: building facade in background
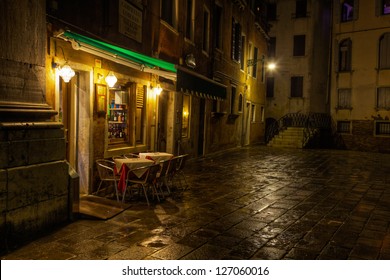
{"points": [[299, 45], [360, 74]]}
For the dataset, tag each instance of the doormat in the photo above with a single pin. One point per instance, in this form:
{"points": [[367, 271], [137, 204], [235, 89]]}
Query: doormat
{"points": [[100, 208]]}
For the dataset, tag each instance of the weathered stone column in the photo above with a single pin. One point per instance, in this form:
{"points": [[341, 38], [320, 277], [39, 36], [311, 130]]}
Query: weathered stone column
{"points": [[34, 191]]}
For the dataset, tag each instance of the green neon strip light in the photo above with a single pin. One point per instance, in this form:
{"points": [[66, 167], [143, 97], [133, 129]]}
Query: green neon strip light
{"points": [[121, 52]]}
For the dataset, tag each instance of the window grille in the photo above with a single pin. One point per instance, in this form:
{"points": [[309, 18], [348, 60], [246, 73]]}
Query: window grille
{"points": [[344, 126], [382, 128]]}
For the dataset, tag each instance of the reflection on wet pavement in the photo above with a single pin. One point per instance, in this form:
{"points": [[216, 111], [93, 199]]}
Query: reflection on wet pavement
{"points": [[249, 203]]}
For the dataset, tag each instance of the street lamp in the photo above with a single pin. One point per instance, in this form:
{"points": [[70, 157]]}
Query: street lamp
{"points": [[252, 62]]}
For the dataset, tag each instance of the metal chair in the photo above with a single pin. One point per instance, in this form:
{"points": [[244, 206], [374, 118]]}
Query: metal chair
{"points": [[162, 176], [171, 172], [146, 181], [181, 160], [106, 173]]}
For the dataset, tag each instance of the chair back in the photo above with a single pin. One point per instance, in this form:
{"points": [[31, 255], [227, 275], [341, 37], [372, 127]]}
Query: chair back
{"points": [[152, 173], [164, 168], [172, 167], [181, 161], [105, 169]]}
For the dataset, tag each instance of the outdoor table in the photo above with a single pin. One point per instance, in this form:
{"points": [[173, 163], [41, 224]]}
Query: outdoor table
{"points": [[123, 165], [156, 156]]}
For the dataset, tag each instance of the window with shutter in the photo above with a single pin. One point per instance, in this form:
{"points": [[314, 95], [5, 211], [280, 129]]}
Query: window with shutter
{"points": [[140, 113], [236, 41], [345, 54]]}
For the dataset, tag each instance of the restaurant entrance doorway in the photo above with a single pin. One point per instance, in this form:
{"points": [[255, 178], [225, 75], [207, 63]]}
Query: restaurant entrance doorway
{"points": [[74, 98]]}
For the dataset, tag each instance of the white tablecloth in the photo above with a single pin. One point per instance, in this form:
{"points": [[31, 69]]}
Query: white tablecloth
{"points": [[156, 157]]}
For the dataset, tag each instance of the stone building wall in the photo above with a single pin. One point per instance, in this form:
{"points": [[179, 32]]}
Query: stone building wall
{"points": [[362, 138], [34, 180]]}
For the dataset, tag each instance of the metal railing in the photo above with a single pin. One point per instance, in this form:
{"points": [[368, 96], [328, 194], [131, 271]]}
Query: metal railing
{"points": [[313, 124], [288, 120]]}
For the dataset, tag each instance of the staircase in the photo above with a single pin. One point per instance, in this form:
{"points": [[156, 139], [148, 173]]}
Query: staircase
{"points": [[291, 137], [298, 130]]}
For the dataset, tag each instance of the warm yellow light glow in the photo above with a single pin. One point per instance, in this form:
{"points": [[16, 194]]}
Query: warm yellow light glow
{"points": [[111, 79], [66, 73], [271, 66], [157, 89]]}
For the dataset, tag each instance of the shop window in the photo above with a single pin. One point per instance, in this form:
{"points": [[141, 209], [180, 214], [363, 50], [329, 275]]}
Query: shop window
{"points": [[297, 86], [299, 45], [300, 8], [169, 12], [185, 124], [382, 128], [344, 98], [206, 30], [383, 98], [270, 86], [236, 40], [344, 127], [118, 118], [384, 51], [190, 20]]}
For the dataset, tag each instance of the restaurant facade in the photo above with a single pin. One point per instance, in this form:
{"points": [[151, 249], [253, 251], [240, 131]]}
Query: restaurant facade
{"points": [[181, 83], [177, 92]]}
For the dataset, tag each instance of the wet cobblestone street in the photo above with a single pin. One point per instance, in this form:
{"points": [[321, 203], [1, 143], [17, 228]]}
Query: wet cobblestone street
{"points": [[249, 203]]}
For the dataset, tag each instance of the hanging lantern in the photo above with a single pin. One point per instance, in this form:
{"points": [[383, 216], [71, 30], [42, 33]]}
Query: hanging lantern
{"points": [[66, 73], [111, 79]]}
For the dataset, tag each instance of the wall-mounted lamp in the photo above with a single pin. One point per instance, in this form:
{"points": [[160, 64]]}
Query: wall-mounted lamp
{"points": [[190, 60], [157, 89], [65, 71], [111, 79], [252, 62]]}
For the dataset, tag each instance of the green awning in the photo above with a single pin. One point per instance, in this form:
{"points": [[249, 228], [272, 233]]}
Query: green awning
{"points": [[120, 55], [199, 85]]}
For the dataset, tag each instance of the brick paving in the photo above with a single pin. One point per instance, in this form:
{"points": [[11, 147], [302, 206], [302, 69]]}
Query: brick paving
{"points": [[250, 203]]}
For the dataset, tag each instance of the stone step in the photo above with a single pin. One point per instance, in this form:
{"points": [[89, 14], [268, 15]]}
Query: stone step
{"points": [[289, 138]]}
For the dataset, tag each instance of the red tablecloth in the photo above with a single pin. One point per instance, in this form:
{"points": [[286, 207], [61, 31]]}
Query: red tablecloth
{"points": [[123, 165]]}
